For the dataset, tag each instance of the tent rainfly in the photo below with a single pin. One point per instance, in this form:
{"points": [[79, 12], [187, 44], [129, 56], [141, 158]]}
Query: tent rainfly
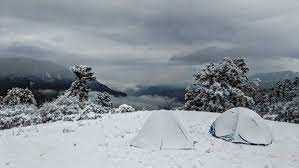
{"points": [[161, 131], [242, 125]]}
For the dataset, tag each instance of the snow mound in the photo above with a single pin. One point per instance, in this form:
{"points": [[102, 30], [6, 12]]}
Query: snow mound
{"points": [[242, 125], [162, 130]]}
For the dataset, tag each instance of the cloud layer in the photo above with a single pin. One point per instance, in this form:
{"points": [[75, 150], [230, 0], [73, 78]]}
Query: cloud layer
{"points": [[133, 42]]}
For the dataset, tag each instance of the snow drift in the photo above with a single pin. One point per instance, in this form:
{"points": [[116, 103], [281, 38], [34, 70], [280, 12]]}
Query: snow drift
{"points": [[242, 125]]}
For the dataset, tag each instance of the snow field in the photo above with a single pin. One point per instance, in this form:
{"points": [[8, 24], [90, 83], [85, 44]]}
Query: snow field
{"points": [[105, 143]]}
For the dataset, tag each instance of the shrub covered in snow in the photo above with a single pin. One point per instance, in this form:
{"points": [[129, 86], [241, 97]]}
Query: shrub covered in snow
{"points": [[18, 115], [104, 99], [219, 87], [96, 108], [17, 96], [124, 108], [64, 108], [68, 108], [92, 111], [18, 109]]}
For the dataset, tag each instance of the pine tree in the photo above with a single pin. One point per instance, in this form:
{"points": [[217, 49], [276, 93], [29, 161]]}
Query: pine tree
{"points": [[75, 103], [218, 87], [296, 87], [262, 102], [79, 86], [290, 112], [290, 109], [285, 90], [17, 96]]}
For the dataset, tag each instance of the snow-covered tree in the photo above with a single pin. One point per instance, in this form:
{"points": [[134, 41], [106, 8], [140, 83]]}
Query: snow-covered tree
{"points": [[79, 87], [290, 109], [1, 100], [75, 103], [104, 99], [296, 82], [285, 90], [218, 87], [290, 112], [17, 96], [262, 102]]}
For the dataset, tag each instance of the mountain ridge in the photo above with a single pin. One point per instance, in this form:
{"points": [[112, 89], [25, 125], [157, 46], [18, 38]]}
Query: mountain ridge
{"points": [[268, 79], [41, 75]]}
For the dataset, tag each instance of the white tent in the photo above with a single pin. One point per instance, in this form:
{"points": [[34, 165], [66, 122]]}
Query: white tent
{"points": [[162, 131], [242, 125]]}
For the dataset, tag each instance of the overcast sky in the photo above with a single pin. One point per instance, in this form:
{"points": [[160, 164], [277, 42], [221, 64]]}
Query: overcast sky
{"points": [[130, 42]]}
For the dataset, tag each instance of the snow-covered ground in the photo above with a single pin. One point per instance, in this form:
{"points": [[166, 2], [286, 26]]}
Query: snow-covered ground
{"points": [[104, 143]]}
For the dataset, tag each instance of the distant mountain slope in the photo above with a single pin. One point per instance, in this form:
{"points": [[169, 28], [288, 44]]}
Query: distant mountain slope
{"points": [[27, 67], [40, 75], [171, 91], [268, 79]]}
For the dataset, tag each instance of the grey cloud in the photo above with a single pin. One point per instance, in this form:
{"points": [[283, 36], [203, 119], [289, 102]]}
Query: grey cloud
{"points": [[156, 22], [130, 41], [24, 50], [149, 23], [19, 50], [210, 54], [87, 12], [215, 54]]}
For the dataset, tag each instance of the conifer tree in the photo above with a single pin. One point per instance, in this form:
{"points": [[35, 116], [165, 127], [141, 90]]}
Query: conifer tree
{"points": [[220, 86], [80, 87]]}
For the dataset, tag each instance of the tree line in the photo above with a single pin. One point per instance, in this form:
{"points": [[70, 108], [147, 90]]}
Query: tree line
{"points": [[221, 86]]}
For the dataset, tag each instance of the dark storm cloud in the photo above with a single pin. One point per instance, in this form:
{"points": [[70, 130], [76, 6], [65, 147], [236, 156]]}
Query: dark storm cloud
{"points": [[18, 50], [210, 54], [214, 54], [23, 50], [139, 37], [152, 22]]}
